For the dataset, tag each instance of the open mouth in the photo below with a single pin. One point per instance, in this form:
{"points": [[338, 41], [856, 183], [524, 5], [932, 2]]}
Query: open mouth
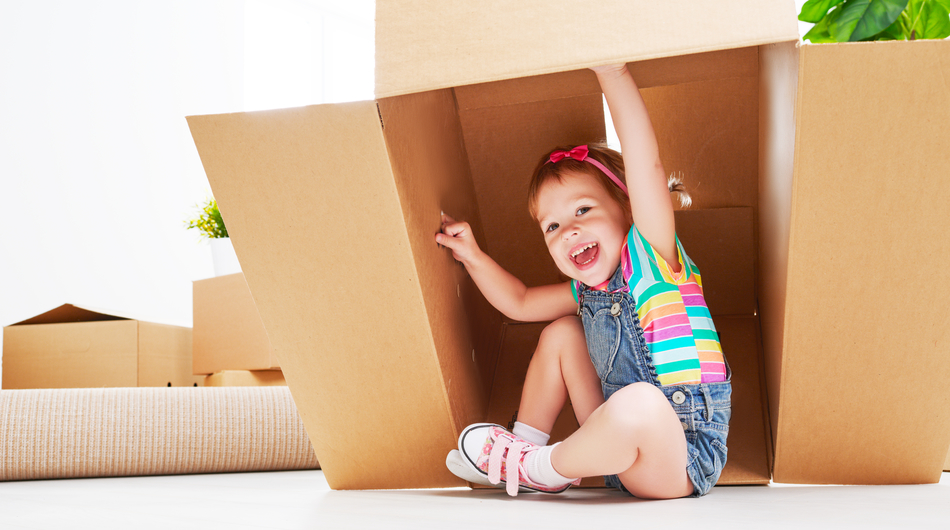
{"points": [[584, 254]]}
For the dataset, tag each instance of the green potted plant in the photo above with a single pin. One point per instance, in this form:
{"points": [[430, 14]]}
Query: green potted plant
{"points": [[867, 20], [210, 226]]}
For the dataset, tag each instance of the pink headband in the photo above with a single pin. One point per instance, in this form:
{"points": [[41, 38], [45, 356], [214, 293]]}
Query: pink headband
{"points": [[580, 153]]}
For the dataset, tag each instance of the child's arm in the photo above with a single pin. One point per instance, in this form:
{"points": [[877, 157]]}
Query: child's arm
{"points": [[650, 200], [502, 290]]}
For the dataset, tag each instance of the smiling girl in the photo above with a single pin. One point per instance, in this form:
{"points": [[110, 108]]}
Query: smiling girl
{"points": [[631, 341]]}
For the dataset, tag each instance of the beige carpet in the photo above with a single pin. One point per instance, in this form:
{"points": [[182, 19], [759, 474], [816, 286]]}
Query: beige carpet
{"points": [[149, 431]]}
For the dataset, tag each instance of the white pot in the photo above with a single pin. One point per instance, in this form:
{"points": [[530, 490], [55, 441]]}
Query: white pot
{"points": [[223, 256]]}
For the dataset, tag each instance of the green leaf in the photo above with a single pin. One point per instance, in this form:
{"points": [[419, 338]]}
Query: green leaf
{"points": [[934, 22], [815, 10], [819, 33], [861, 19], [893, 32]]}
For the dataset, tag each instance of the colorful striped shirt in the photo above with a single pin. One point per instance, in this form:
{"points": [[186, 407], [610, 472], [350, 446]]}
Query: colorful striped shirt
{"points": [[677, 325]]}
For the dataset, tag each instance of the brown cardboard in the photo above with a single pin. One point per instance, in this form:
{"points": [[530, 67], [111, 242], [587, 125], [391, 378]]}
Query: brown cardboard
{"points": [[757, 131], [869, 204], [228, 332], [425, 45], [946, 465], [75, 347], [246, 378]]}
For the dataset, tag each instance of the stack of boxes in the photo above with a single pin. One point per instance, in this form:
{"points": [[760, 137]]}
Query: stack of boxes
{"points": [[230, 346], [804, 163]]}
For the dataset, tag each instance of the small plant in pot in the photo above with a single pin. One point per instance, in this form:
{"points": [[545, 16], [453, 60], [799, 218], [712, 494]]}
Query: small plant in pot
{"points": [[867, 20], [211, 226]]}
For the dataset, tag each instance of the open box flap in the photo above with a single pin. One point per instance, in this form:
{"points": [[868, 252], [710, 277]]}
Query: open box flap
{"points": [[337, 290], [430, 44], [867, 320], [71, 313]]}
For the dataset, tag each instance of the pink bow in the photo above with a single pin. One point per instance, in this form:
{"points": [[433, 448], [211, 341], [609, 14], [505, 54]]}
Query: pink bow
{"points": [[578, 153]]}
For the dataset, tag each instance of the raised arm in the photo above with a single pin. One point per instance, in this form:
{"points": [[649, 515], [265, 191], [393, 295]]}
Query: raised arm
{"points": [[650, 200], [502, 289]]}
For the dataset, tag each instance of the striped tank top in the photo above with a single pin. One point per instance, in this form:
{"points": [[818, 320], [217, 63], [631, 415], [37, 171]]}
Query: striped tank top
{"points": [[677, 326]]}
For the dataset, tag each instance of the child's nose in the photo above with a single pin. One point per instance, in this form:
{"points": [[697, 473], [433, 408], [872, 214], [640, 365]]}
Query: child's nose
{"points": [[571, 231]]}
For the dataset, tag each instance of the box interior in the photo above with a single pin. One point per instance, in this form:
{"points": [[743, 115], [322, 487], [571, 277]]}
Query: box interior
{"points": [[469, 151]]}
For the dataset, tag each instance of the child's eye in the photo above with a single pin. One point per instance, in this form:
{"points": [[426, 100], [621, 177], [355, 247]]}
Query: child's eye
{"points": [[552, 227], [582, 210]]}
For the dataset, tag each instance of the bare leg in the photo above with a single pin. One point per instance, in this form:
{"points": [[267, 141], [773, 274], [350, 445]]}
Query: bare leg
{"points": [[560, 367], [636, 435]]}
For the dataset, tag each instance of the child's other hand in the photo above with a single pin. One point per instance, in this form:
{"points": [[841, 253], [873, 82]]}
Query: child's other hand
{"points": [[458, 237], [609, 69]]}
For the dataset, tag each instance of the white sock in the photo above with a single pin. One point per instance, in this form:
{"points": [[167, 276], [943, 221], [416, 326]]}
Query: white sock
{"points": [[540, 470], [529, 433]]}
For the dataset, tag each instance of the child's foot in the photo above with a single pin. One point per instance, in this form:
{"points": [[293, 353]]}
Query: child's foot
{"points": [[492, 453]]}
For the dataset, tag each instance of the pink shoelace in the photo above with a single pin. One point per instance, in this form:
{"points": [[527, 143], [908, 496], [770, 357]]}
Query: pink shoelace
{"points": [[513, 462]]}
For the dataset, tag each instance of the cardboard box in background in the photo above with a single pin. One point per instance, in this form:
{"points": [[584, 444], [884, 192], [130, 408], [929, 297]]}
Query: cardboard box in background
{"points": [[822, 144], [228, 332], [246, 378], [75, 347]]}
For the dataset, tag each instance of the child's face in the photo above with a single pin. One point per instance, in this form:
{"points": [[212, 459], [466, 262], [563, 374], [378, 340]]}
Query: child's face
{"points": [[584, 227]]}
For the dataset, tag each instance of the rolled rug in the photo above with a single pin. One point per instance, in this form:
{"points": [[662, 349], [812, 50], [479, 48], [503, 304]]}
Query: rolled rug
{"points": [[104, 432]]}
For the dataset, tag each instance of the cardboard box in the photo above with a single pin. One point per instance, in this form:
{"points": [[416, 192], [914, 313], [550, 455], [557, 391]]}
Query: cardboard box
{"points": [[380, 332], [246, 378], [228, 332], [76, 347]]}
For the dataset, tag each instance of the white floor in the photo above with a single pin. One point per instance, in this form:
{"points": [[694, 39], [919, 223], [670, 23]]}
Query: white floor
{"points": [[302, 499]]}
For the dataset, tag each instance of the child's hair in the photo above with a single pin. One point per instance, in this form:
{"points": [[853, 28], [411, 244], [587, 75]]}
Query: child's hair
{"points": [[610, 158]]}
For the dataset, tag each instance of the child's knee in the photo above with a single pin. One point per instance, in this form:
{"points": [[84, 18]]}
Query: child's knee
{"points": [[563, 330], [636, 404]]}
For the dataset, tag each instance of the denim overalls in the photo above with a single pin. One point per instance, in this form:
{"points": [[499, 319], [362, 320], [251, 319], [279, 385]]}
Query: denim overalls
{"points": [[621, 357]]}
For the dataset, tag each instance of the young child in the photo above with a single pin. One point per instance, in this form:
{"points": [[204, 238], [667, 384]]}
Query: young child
{"points": [[632, 342]]}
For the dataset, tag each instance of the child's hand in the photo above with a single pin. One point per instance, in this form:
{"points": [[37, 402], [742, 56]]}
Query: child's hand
{"points": [[458, 237], [609, 69]]}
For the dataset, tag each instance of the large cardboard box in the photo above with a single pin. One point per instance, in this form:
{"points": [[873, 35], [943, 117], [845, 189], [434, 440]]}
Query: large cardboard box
{"points": [[75, 347], [228, 332], [817, 179]]}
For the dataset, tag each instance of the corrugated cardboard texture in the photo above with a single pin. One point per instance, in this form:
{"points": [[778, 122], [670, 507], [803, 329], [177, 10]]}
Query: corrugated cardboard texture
{"points": [[314, 214], [429, 44], [424, 141], [867, 322], [228, 331], [246, 378], [778, 86]]}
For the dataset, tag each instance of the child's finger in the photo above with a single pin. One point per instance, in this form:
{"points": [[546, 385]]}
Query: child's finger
{"points": [[446, 219], [447, 241]]}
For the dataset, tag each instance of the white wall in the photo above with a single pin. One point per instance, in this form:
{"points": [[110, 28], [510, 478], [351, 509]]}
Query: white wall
{"points": [[98, 171]]}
